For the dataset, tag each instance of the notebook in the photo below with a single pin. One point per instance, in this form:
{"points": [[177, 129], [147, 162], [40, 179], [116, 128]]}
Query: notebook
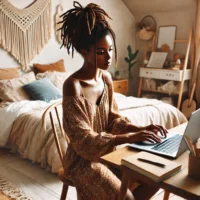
{"points": [[174, 145], [154, 172]]}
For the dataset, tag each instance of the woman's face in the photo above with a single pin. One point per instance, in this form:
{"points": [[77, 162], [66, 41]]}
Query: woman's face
{"points": [[104, 51]]}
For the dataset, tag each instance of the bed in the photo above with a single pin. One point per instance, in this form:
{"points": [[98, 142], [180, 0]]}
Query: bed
{"points": [[25, 129]]}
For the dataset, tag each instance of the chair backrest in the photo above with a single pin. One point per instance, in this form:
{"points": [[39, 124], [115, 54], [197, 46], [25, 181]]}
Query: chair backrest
{"points": [[52, 111]]}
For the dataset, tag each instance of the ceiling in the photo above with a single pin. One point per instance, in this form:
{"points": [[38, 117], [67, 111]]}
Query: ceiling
{"points": [[138, 7]]}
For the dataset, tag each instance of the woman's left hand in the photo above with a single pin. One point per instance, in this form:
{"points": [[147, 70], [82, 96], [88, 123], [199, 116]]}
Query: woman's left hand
{"points": [[157, 128]]}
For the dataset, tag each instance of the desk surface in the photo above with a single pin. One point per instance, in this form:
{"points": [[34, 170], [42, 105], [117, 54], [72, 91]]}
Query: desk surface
{"points": [[180, 184]]}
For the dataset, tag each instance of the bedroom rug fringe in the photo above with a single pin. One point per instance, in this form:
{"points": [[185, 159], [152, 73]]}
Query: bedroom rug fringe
{"points": [[11, 191]]}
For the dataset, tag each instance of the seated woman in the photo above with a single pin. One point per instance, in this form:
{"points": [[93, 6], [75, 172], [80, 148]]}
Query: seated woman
{"points": [[91, 118]]}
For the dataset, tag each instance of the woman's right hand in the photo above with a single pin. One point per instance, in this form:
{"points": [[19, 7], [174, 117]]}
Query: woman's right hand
{"points": [[144, 135]]}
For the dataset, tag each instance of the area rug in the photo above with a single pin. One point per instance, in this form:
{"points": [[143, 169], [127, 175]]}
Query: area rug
{"points": [[11, 191]]}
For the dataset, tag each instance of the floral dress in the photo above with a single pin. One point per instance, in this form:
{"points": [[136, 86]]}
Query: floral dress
{"points": [[91, 129]]}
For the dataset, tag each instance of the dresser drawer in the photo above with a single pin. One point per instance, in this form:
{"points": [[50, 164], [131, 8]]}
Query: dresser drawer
{"points": [[120, 86], [164, 74], [149, 73], [170, 75]]}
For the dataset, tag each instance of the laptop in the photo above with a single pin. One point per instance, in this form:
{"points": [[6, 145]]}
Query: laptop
{"points": [[174, 145]]}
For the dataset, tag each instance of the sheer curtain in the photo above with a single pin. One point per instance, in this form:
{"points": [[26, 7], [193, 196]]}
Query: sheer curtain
{"points": [[196, 71]]}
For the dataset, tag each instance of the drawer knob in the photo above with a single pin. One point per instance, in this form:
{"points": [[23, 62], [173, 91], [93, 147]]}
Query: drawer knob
{"points": [[119, 86]]}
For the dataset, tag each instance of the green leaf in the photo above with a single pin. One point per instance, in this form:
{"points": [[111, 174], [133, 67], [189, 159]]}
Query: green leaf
{"points": [[126, 59], [133, 56], [129, 51]]}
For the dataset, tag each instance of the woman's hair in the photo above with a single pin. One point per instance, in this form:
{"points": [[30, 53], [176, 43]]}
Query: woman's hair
{"points": [[82, 27]]}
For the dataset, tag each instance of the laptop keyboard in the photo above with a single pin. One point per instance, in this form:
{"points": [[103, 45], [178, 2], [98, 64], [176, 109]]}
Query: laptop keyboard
{"points": [[170, 145]]}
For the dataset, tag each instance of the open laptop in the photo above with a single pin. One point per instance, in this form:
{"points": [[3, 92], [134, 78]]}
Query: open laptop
{"points": [[174, 145]]}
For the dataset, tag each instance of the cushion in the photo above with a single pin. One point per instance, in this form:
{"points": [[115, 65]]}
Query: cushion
{"points": [[57, 78], [42, 89], [11, 90], [9, 73], [57, 66]]}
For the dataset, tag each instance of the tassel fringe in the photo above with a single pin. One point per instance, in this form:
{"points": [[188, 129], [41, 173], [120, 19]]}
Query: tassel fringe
{"points": [[24, 32], [8, 189]]}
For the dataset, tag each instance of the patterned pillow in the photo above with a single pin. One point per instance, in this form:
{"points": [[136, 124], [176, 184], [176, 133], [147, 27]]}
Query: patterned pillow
{"points": [[57, 66], [42, 89], [57, 78], [11, 90], [9, 73]]}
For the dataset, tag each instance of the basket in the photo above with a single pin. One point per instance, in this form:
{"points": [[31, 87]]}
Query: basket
{"points": [[147, 28], [145, 34]]}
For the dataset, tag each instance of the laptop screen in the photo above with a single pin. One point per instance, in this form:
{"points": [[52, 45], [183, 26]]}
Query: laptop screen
{"points": [[192, 131]]}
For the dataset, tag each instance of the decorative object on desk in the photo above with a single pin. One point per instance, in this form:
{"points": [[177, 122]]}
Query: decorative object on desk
{"points": [[157, 59], [58, 19], [165, 48], [131, 57], [151, 170], [147, 28], [166, 35], [189, 105], [193, 166], [178, 61], [147, 56], [24, 32]]}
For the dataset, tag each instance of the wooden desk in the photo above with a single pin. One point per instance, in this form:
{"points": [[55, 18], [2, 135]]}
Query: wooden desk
{"points": [[179, 184]]}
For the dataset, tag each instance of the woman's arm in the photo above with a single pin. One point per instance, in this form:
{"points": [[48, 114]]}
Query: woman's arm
{"points": [[121, 125]]}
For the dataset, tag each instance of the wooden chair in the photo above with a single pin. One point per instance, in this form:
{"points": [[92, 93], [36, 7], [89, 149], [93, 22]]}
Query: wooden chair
{"points": [[52, 111]]}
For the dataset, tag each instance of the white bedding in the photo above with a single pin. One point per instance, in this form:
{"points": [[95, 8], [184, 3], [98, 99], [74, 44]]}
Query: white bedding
{"points": [[11, 112], [21, 127]]}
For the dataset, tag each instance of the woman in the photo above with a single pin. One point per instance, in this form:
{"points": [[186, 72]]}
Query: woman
{"points": [[91, 119]]}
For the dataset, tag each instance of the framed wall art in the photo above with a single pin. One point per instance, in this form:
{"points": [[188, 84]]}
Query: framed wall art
{"points": [[166, 36]]}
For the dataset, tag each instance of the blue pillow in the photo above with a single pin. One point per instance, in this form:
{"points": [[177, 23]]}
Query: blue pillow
{"points": [[42, 89]]}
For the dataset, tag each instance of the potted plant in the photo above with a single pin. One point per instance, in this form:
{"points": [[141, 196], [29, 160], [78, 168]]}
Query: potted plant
{"points": [[130, 59]]}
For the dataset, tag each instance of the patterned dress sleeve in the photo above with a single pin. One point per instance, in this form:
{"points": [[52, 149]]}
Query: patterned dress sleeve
{"points": [[117, 124], [86, 142]]}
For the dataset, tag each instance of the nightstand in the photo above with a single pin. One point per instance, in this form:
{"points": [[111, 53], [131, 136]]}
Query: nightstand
{"points": [[120, 86]]}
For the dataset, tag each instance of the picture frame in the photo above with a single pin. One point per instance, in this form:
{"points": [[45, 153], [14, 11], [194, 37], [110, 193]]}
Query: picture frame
{"points": [[166, 35], [157, 59]]}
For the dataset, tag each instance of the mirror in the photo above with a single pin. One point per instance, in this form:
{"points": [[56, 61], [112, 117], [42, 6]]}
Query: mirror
{"points": [[166, 35]]}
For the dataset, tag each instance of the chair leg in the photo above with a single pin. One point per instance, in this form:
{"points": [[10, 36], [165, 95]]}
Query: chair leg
{"points": [[166, 195], [64, 192]]}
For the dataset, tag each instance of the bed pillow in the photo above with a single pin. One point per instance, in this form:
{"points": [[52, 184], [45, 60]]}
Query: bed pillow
{"points": [[11, 90], [57, 78], [57, 66], [9, 73], [42, 89]]}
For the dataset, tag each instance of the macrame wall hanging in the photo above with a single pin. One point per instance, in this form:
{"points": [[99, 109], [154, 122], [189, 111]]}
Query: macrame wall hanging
{"points": [[24, 32], [59, 12]]}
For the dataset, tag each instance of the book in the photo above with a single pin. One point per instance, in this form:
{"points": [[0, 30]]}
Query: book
{"points": [[155, 167]]}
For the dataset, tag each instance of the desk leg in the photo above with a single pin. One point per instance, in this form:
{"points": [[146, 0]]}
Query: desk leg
{"points": [[166, 195], [124, 184]]}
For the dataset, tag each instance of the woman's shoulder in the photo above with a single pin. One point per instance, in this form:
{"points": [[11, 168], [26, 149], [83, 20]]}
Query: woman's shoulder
{"points": [[107, 77], [71, 87]]}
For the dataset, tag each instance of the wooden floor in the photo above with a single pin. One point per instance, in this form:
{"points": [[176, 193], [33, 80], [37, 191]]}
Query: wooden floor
{"points": [[3, 152]]}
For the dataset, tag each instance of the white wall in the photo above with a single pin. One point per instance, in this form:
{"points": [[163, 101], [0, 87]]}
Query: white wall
{"points": [[123, 24]]}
